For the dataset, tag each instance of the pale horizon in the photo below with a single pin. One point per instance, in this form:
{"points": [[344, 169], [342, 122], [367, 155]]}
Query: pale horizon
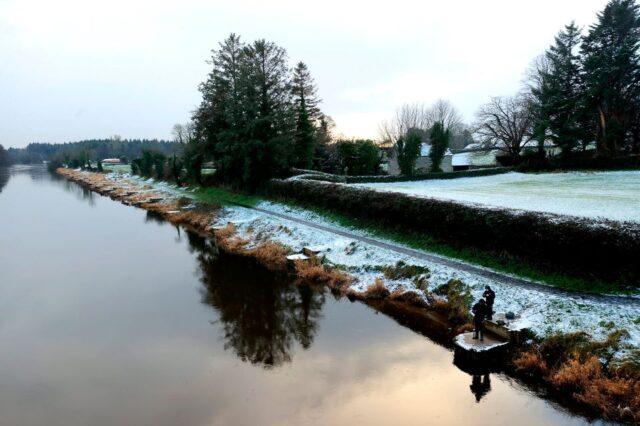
{"points": [[75, 71]]}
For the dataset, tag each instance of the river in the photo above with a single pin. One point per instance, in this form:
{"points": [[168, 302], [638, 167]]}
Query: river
{"points": [[111, 317]]}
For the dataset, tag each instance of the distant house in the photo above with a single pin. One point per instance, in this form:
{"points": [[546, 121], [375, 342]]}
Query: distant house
{"points": [[475, 156], [423, 162], [111, 161], [474, 160]]}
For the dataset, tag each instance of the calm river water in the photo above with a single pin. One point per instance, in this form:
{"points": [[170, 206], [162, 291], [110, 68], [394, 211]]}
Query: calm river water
{"points": [[109, 317]]}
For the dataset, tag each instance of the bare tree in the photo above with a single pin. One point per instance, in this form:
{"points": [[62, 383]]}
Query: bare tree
{"points": [[407, 117], [183, 133], [443, 111], [533, 75], [505, 124]]}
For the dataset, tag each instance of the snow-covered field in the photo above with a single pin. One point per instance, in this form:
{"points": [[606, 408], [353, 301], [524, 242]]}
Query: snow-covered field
{"points": [[610, 195], [543, 312]]}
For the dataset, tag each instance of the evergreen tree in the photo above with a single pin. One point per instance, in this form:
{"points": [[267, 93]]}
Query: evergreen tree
{"points": [[325, 156], [4, 159], [439, 143], [266, 96], [304, 139], [558, 102], [407, 150], [612, 73], [218, 120], [305, 103], [246, 122], [358, 157]]}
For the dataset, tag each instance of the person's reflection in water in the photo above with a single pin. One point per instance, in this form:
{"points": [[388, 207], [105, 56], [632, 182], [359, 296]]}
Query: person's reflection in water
{"points": [[480, 385], [261, 316]]}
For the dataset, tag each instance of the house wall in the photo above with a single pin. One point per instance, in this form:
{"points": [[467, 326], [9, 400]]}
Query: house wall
{"points": [[423, 165]]}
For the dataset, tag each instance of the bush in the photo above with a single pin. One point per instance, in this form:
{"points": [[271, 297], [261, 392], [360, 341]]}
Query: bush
{"points": [[402, 270], [408, 151], [359, 157], [606, 250], [428, 176], [459, 301]]}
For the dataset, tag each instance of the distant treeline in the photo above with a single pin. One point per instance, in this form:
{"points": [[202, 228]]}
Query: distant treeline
{"points": [[4, 157], [93, 149]]}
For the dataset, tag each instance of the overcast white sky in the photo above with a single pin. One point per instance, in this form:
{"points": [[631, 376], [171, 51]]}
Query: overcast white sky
{"points": [[77, 69]]}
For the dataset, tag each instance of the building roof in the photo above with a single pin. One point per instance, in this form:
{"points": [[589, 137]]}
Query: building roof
{"points": [[425, 149]]}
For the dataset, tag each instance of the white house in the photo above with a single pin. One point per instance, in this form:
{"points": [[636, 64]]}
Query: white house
{"points": [[423, 162]]}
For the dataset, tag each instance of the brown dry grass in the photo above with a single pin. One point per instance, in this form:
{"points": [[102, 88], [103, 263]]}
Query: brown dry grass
{"points": [[377, 290], [531, 363], [313, 272], [590, 385], [409, 297], [228, 231], [271, 255], [568, 363]]}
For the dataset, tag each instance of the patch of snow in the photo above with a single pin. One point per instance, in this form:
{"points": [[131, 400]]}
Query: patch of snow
{"points": [[607, 195]]}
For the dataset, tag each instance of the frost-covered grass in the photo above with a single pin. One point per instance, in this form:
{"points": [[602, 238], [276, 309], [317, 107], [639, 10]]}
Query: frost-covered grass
{"points": [[117, 168], [541, 311], [545, 313], [609, 195]]}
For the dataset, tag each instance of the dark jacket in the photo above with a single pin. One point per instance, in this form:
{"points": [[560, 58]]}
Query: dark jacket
{"points": [[479, 312], [489, 296]]}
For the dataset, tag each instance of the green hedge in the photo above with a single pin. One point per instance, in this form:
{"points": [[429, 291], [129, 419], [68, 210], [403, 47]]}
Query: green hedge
{"points": [[604, 250], [428, 176]]}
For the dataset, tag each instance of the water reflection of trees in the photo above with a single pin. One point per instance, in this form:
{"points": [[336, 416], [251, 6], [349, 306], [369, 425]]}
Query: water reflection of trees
{"points": [[261, 316], [4, 177], [81, 192]]}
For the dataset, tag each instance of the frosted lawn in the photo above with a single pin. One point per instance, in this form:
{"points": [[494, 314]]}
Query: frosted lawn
{"points": [[609, 195]]}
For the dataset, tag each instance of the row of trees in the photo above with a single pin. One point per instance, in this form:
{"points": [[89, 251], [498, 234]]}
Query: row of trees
{"points": [[258, 117], [93, 149], [4, 157], [584, 91], [439, 125]]}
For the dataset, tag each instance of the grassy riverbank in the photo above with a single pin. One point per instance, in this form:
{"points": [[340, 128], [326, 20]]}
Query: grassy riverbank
{"points": [[562, 362], [505, 264]]}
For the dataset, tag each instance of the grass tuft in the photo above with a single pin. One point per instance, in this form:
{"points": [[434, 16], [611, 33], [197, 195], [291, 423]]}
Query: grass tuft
{"points": [[377, 290]]}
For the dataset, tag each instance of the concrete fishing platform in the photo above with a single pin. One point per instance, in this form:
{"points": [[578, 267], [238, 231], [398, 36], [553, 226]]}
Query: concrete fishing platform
{"points": [[465, 341], [489, 350]]}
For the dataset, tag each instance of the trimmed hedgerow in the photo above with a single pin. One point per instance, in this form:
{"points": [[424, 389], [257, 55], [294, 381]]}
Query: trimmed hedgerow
{"points": [[603, 250], [428, 176]]}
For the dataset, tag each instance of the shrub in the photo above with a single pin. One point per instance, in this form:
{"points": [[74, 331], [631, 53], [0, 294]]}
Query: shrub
{"points": [[428, 176], [358, 157], [402, 270], [458, 303]]}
